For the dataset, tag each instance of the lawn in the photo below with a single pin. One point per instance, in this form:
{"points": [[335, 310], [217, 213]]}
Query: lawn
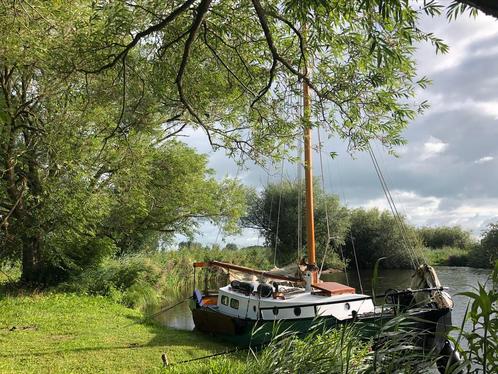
{"points": [[67, 333]]}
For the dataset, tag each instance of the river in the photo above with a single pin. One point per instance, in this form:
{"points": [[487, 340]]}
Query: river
{"points": [[458, 279]]}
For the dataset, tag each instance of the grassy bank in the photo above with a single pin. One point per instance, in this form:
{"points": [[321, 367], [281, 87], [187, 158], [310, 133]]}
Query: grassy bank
{"points": [[447, 256], [67, 333]]}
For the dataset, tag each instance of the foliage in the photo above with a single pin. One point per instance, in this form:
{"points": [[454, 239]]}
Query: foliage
{"points": [[321, 351], [444, 236], [274, 212], [147, 280], [488, 251], [345, 349], [87, 168], [377, 234], [447, 256], [482, 339], [256, 55], [168, 191]]}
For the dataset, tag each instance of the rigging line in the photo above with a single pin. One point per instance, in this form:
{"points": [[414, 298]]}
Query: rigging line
{"points": [[327, 245], [271, 203], [392, 207], [343, 195], [356, 262], [406, 237], [163, 310], [278, 214], [390, 202], [410, 234]]}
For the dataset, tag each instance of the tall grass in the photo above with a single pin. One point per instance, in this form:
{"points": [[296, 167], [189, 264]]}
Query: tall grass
{"points": [[393, 348], [145, 281], [481, 356], [447, 256]]}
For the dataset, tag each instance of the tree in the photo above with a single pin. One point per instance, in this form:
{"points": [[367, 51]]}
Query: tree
{"points": [[82, 175], [486, 254], [374, 234], [164, 191], [489, 7], [444, 236], [274, 212], [234, 69]]}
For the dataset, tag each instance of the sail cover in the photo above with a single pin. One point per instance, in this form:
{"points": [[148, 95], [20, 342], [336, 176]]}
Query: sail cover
{"points": [[289, 273]]}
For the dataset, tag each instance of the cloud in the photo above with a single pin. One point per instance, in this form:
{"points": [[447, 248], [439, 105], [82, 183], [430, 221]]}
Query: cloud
{"points": [[442, 176], [472, 214], [432, 147], [483, 160]]}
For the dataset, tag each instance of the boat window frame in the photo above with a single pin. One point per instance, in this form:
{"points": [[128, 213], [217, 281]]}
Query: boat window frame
{"points": [[224, 300], [233, 301]]}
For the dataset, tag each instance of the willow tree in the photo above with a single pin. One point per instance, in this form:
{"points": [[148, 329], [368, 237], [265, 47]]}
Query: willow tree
{"points": [[233, 69], [83, 175]]}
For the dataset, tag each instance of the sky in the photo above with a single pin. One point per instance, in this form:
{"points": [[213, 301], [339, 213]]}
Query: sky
{"points": [[447, 174]]}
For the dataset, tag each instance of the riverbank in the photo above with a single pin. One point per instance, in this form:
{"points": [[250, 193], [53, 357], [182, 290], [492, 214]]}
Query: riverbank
{"points": [[67, 333]]}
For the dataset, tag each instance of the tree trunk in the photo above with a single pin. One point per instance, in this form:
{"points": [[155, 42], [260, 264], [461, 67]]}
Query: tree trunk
{"points": [[30, 259]]}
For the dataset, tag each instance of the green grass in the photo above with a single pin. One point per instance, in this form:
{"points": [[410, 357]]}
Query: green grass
{"points": [[447, 256], [67, 333]]}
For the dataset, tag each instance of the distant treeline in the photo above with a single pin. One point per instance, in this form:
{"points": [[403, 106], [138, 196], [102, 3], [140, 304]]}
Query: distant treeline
{"points": [[371, 234]]}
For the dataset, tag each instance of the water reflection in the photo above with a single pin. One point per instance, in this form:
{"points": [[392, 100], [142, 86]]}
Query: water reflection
{"points": [[458, 279]]}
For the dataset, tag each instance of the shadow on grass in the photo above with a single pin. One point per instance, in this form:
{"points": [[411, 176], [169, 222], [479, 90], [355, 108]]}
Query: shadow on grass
{"points": [[163, 337]]}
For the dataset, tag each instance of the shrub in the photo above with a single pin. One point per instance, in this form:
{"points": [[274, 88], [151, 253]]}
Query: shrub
{"points": [[378, 234], [444, 236], [447, 256], [147, 280]]}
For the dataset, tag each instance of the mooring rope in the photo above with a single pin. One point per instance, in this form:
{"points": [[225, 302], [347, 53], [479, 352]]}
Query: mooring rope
{"points": [[163, 310]]}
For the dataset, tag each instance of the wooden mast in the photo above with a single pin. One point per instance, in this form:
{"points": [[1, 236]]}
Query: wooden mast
{"points": [[308, 173]]}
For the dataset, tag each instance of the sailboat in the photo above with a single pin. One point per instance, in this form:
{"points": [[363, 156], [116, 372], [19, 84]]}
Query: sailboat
{"points": [[247, 310]]}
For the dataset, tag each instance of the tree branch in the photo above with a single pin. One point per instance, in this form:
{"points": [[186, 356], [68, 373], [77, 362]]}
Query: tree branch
{"points": [[196, 24], [142, 34]]}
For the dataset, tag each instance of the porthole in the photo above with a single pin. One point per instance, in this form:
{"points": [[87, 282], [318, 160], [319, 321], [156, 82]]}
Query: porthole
{"points": [[347, 306], [234, 303], [275, 310], [297, 311]]}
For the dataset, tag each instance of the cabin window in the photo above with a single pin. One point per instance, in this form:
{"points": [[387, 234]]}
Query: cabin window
{"points": [[297, 311], [224, 300], [234, 303], [275, 310], [347, 306]]}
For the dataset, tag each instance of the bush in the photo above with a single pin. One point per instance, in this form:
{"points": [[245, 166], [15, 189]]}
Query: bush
{"points": [[147, 280], [447, 256], [377, 234], [444, 236]]}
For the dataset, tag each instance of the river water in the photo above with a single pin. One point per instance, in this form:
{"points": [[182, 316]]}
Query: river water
{"points": [[458, 279]]}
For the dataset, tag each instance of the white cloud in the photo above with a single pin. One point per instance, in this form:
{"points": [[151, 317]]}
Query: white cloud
{"points": [[416, 208], [471, 214], [459, 35], [432, 147], [483, 160]]}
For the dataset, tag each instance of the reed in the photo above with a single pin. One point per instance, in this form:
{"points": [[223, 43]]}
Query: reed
{"points": [[145, 281], [481, 354]]}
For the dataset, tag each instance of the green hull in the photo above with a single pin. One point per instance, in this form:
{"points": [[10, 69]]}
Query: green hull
{"points": [[244, 333]]}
